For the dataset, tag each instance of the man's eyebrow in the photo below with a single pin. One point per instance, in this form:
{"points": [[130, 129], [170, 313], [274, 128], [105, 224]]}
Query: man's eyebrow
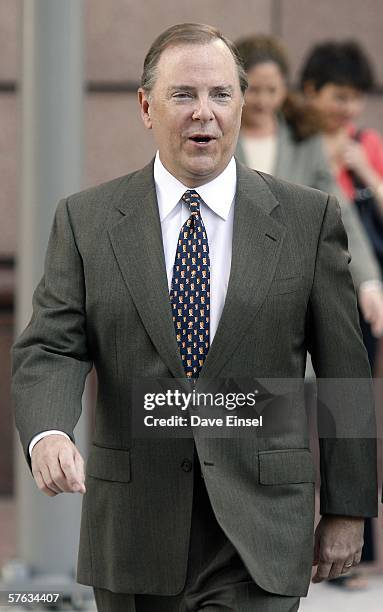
{"points": [[180, 88], [223, 88], [173, 88]]}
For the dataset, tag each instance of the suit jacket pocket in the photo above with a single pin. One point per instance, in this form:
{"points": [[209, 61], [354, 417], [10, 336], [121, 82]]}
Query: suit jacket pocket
{"points": [[109, 464], [286, 285], [292, 466]]}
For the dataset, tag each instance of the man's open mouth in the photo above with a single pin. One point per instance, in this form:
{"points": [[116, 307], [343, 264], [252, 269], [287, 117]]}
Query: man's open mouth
{"points": [[201, 139]]}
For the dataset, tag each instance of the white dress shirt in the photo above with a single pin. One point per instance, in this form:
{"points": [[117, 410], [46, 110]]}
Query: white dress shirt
{"points": [[217, 211]]}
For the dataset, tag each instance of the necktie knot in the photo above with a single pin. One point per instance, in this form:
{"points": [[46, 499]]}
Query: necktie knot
{"points": [[193, 200]]}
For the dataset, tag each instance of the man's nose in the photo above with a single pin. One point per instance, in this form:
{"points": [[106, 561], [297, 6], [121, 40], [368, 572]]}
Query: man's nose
{"points": [[203, 111]]}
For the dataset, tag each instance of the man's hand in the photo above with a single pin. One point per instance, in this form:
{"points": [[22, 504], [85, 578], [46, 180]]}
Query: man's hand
{"points": [[371, 304], [338, 546], [57, 466]]}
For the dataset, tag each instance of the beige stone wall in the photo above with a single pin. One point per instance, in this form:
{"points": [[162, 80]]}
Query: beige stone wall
{"points": [[306, 22], [9, 39], [9, 137], [117, 34]]}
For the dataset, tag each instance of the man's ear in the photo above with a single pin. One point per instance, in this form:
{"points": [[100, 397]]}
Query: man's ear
{"points": [[143, 100]]}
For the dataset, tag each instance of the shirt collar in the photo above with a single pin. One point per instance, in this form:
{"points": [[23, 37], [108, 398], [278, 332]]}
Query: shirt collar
{"points": [[218, 194]]}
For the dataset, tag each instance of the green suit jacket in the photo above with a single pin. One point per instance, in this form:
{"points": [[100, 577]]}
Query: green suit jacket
{"points": [[104, 300]]}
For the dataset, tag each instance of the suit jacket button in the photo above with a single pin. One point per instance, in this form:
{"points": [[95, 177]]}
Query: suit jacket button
{"points": [[187, 465]]}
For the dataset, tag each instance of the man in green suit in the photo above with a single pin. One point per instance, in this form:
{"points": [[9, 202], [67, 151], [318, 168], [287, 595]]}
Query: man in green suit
{"points": [[192, 523]]}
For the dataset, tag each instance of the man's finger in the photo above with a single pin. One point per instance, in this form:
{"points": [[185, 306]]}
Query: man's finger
{"points": [[69, 467], [80, 470], [357, 557], [316, 550], [47, 478], [336, 570], [347, 566], [59, 477], [322, 571], [42, 485]]}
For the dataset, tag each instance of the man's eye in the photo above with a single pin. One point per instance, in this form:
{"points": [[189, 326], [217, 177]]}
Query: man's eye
{"points": [[223, 95], [182, 94]]}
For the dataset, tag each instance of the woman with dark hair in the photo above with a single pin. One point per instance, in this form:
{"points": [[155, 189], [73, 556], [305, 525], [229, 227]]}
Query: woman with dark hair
{"points": [[280, 136], [335, 78]]}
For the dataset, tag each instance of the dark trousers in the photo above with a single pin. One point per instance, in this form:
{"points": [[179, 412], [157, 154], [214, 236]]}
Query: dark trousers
{"points": [[216, 581]]}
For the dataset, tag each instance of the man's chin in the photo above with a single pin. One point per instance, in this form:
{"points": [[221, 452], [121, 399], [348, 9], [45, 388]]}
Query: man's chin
{"points": [[204, 172]]}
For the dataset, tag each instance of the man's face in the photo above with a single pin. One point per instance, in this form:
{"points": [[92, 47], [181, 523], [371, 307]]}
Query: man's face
{"points": [[338, 104], [194, 110]]}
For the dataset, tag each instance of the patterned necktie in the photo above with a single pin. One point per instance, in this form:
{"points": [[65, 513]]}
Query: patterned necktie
{"points": [[190, 289]]}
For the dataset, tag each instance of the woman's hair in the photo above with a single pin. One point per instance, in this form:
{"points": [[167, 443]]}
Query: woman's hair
{"points": [[261, 49], [338, 63]]}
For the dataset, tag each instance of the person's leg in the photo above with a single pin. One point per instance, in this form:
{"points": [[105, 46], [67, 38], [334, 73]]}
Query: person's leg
{"points": [[248, 599], [286, 607], [251, 598], [149, 603], [218, 580], [106, 601], [214, 565]]}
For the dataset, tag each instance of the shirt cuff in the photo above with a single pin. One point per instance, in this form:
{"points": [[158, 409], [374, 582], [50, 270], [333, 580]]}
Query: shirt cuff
{"points": [[43, 434]]}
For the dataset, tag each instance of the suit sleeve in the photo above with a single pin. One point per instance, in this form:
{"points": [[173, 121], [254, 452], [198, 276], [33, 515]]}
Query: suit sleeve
{"points": [[346, 416], [50, 359]]}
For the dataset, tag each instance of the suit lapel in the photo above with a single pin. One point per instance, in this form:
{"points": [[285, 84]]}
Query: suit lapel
{"points": [[137, 244], [138, 247], [257, 241]]}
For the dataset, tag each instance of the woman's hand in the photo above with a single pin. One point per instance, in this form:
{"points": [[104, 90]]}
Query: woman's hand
{"points": [[355, 158]]}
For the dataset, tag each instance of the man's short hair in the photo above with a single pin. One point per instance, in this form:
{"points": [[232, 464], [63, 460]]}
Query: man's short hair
{"points": [[338, 63], [186, 34]]}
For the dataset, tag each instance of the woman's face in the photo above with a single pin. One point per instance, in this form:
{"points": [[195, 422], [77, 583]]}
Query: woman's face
{"points": [[265, 94], [338, 104]]}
